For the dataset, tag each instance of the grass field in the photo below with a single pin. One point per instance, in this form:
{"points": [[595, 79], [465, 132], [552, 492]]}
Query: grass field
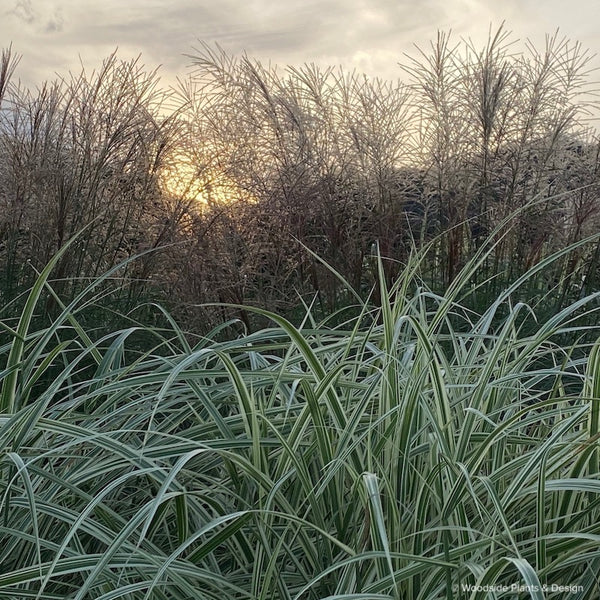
{"points": [[411, 452]]}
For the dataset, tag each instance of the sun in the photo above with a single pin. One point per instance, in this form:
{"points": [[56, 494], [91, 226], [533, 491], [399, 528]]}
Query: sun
{"points": [[183, 180]]}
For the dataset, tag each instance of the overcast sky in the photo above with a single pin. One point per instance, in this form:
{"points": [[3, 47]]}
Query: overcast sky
{"points": [[369, 35]]}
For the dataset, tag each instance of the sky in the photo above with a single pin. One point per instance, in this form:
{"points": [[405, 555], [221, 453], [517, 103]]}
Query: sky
{"points": [[371, 36]]}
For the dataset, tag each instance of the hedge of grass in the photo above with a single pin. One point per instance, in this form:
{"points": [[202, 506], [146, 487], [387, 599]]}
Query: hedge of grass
{"points": [[419, 450]]}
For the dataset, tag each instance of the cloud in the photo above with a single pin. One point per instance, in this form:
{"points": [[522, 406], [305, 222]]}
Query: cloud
{"points": [[23, 10], [44, 17], [55, 23], [369, 35]]}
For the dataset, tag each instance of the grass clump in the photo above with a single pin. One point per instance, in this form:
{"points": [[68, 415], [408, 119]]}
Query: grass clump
{"points": [[407, 453]]}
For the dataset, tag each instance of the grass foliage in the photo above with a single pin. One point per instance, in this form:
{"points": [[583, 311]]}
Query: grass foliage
{"points": [[401, 454]]}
